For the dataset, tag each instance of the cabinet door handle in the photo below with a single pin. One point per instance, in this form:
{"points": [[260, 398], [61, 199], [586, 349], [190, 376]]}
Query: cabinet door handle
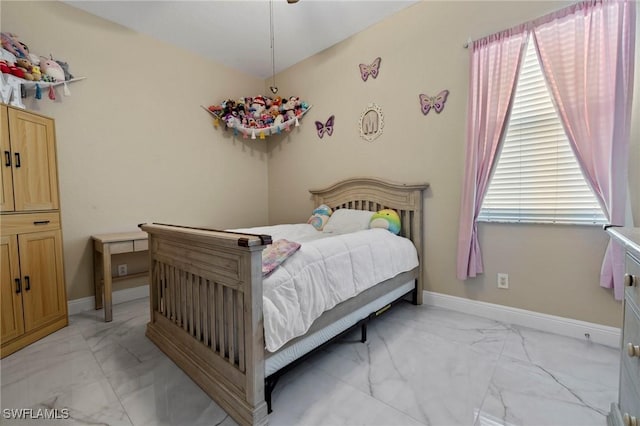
{"points": [[41, 222], [629, 280], [27, 282], [18, 286], [7, 158], [17, 160]]}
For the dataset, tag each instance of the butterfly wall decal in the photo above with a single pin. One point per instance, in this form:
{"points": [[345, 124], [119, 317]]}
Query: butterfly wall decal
{"points": [[323, 128], [370, 70], [436, 102]]}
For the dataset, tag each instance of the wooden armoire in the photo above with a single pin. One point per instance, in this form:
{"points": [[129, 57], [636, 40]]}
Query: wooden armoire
{"points": [[33, 298]]}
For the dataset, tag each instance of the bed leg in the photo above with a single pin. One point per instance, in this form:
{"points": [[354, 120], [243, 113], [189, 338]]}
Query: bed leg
{"points": [[269, 385], [416, 296], [363, 330]]}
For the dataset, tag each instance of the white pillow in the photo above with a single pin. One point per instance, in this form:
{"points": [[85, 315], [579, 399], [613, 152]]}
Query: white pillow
{"points": [[343, 221]]}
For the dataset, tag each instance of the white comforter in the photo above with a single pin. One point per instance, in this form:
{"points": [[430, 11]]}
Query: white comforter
{"points": [[328, 269]]}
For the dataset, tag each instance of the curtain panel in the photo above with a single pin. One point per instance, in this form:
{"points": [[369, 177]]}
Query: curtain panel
{"points": [[495, 61], [586, 51]]}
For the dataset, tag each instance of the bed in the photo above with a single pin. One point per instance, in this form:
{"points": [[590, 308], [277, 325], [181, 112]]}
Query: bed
{"points": [[206, 298]]}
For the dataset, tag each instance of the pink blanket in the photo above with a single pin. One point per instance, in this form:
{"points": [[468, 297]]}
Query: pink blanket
{"points": [[274, 254]]}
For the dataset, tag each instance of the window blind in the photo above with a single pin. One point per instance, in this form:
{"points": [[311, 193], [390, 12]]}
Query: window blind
{"points": [[537, 178]]}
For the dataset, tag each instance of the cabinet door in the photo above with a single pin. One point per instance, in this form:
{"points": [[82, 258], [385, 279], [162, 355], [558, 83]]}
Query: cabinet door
{"points": [[6, 193], [43, 292], [11, 323], [35, 179]]}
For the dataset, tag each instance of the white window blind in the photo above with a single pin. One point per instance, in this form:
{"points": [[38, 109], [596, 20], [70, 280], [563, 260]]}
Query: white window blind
{"points": [[537, 178]]}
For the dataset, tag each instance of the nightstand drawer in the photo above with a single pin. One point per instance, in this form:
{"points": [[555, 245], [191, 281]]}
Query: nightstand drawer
{"points": [[121, 247], [631, 336], [140, 245], [629, 394]]}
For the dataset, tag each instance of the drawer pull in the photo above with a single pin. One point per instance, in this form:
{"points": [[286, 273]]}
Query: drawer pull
{"points": [[41, 222], [629, 280], [17, 160], [629, 420], [18, 286], [27, 281], [7, 158], [633, 350]]}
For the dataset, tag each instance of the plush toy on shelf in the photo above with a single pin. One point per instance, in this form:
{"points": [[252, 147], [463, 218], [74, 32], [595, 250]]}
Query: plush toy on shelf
{"points": [[25, 65], [65, 69], [11, 43], [35, 71], [51, 68]]}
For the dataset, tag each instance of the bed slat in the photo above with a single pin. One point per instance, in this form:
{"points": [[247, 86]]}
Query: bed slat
{"points": [[204, 311], [212, 317], [239, 311]]}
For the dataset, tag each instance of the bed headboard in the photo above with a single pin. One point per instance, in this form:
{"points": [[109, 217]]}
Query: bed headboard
{"points": [[363, 193], [376, 194]]}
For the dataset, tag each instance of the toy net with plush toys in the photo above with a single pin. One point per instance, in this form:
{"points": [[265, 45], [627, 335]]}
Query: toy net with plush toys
{"points": [[35, 71], [259, 116]]}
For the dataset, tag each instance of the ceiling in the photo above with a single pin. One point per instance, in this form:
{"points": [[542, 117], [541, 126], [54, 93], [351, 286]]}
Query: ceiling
{"points": [[236, 33]]}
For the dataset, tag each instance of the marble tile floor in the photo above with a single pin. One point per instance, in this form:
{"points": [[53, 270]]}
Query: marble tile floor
{"points": [[420, 366]]}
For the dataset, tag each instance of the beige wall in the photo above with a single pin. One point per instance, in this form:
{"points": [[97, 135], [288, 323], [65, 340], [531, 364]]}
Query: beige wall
{"points": [[552, 269], [133, 143]]}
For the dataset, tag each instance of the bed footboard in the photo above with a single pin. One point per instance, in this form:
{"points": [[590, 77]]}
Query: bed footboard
{"points": [[206, 312]]}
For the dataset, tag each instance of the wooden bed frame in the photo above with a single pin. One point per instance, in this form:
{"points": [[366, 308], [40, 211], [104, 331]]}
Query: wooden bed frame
{"points": [[206, 294]]}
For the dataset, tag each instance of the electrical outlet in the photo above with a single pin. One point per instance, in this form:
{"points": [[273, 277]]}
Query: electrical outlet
{"points": [[122, 269], [503, 280]]}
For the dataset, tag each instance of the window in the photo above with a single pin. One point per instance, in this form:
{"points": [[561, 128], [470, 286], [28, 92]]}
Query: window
{"points": [[537, 178]]}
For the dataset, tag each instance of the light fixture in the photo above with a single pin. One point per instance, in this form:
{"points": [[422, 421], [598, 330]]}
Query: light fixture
{"points": [[273, 87]]}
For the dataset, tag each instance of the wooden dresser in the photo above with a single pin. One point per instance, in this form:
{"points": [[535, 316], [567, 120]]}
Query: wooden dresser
{"points": [[627, 410], [32, 291]]}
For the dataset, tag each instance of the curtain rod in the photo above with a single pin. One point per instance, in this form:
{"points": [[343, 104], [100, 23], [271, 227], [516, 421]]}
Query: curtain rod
{"points": [[532, 23]]}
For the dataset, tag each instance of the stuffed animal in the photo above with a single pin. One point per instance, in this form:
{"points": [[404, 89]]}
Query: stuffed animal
{"points": [[386, 219], [35, 59], [25, 65], [11, 43], [17, 71], [257, 107], [320, 216], [7, 56], [65, 68], [51, 68], [289, 111], [4, 67]]}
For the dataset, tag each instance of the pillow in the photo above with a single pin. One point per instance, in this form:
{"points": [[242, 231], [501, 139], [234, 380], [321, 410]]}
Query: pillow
{"points": [[320, 216], [343, 221], [387, 219]]}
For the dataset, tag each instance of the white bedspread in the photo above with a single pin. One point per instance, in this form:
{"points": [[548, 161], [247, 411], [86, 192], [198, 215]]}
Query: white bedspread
{"points": [[328, 269]]}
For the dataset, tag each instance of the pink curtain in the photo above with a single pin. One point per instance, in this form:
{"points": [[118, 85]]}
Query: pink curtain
{"points": [[587, 55], [495, 61]]}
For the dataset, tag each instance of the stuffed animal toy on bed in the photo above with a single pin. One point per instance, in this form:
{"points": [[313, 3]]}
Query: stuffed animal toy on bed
{"points": [[320, 216], [386, 219]]}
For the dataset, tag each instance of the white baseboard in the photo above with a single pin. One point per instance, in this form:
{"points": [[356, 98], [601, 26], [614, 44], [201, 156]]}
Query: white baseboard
{"points": [[120, 296], [605, 335]]}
